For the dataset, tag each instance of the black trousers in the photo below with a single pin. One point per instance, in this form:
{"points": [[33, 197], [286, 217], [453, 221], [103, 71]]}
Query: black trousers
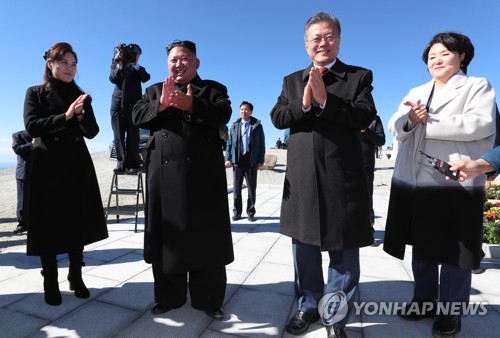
{"points": [[244, 170], [370, 176], [206, 287], [126, 138], [448, 284]]}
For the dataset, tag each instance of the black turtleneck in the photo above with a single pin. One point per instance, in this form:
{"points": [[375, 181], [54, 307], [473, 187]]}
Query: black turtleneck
{"points": [[68, 91]]}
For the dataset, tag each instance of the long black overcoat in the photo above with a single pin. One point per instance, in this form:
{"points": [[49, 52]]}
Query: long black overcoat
{"points": [[325, 196], [187, 211], [66, 209]]}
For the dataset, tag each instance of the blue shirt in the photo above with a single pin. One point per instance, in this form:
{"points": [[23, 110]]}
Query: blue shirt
{"points": [[493, 158], [245, 136]]}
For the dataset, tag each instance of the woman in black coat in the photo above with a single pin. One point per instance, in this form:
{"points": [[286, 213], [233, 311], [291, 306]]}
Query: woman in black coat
{"points": [[66, 208]]}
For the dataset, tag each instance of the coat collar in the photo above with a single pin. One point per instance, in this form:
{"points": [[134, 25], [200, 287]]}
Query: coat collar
{"points": [[253, 121], [449, 91], [339, 69], [196, 84]]}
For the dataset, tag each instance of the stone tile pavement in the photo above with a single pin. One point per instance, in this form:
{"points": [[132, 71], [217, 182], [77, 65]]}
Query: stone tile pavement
{"points": [[259, 297]]}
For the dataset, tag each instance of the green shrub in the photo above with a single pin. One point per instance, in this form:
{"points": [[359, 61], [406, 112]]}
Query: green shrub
{"points": [[493, 192], [492, 232], [491, 222]]}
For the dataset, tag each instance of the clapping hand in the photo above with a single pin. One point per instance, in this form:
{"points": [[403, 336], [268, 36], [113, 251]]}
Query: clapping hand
{"points": [[175, 98], [76, 108], [315, 89], [417, 114]]}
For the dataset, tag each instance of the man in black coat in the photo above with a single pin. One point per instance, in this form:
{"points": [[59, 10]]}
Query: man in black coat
{"points": [[325, 199], [128, 76], [22, 144], [187, 231]]}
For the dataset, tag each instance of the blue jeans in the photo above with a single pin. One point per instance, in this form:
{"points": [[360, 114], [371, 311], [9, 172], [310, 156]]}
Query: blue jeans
{"points": [[343, 275]]}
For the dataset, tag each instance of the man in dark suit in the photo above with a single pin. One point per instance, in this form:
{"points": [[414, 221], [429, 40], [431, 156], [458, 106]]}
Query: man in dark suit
{"points": [[325, 203], [245, 152], [372, 138], [188, 231], [22, 144], [128, 76]]}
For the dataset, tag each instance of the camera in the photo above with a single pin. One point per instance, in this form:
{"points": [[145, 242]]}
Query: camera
{"points": [[127, 53]]}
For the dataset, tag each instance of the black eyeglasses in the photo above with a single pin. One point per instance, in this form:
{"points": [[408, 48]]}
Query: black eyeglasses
{"points": [[182, 43], [330, 39]]}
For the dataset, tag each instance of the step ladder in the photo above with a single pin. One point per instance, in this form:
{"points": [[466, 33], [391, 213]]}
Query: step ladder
{"points": [[116, 191]]}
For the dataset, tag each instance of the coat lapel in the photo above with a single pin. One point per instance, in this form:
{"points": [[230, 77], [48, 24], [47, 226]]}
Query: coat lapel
{"points": [[449, 92], [339, 69]]}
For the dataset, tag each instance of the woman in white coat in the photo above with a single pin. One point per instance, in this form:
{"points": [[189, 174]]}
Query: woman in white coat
{"points": [[451, 117]]}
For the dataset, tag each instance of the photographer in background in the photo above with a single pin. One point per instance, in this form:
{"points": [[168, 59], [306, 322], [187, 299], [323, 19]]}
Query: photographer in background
{"points": [[128, 76]]}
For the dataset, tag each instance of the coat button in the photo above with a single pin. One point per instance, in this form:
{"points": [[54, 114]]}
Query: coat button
{"points": [[165, 161], [165, 135], [189, 160]]}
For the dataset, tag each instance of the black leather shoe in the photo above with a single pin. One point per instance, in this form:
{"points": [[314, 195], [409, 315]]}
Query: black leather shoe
{"points": [[217, 314], [236, 217], [478, 271], [446, 326], [419, 309], [301, 321], [251, 218], [119, 170], [335, 332], [20, 229], [131, 171], [159, 309]]}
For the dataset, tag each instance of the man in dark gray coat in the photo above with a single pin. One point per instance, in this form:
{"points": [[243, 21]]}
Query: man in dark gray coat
{"points": [[188, 231], [325, 199], [246, 153]]}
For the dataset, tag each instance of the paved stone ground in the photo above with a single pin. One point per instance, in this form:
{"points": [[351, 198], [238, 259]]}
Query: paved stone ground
{"points": [[104, 169], [259, 296]]}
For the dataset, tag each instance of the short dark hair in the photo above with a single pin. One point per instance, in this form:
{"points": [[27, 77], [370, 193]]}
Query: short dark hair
{"points": [[248, 104], [182, 43], [322, 17], [454, 42]]}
